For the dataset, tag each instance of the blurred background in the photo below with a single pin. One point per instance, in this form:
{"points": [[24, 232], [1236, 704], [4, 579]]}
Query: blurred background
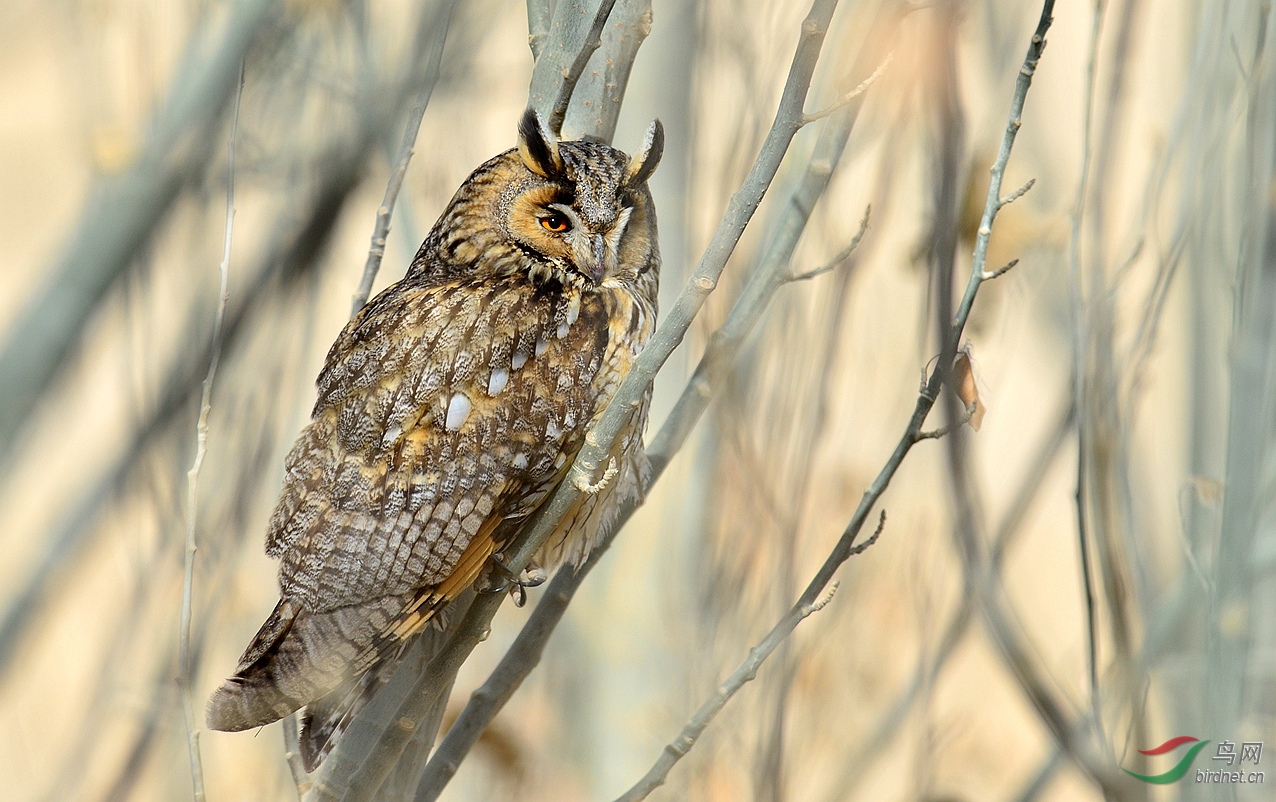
{"points": [[1127, 364]]}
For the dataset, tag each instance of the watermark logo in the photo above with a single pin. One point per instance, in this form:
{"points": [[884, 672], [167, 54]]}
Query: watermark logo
{"points": [[1225, 751], [1175, 774]]}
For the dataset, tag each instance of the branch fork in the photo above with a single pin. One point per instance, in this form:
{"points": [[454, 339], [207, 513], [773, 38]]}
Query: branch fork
{"points": [[851, 95]]}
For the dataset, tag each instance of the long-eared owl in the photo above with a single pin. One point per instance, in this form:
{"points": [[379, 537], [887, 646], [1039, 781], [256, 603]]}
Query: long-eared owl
{"points": [[448, 410]]}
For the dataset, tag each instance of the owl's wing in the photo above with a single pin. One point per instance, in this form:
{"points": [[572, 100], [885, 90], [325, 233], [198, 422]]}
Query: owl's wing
{"points": [[446, 413]]}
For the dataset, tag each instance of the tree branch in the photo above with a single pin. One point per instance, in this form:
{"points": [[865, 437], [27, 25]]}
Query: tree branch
{"points": [[842, 255], [122, 214], [772, 272], [201, 448], [860, 89], [845, 546], [442, 17], [539, 15], [747, 670], [744, 202]]}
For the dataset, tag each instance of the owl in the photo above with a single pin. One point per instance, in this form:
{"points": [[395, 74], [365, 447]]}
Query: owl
{"points": [[448, 411]]}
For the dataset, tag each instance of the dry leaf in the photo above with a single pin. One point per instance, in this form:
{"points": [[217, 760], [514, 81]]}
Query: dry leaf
{"points": [[967, 389]]}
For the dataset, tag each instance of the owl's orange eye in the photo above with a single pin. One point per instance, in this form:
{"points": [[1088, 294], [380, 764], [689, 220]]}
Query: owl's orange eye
{"points": [[556, 223]]}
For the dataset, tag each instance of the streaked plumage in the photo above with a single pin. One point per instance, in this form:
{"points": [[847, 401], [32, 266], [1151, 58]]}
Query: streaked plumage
{"points": [[448, 409]]}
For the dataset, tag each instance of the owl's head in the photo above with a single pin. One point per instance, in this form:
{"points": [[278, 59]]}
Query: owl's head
{"points": [[577, 212]]}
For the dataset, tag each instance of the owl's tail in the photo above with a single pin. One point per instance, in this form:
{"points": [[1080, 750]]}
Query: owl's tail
{"points": [[324, 720], [298, 658]]}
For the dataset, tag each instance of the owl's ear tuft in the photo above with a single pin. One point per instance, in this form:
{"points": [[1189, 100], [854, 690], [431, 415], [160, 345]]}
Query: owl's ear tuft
{"points": [[644, 164], [537, 147]]}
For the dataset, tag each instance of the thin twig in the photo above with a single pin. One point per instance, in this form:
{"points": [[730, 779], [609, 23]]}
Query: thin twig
{"points": [[1078, 336], [842, 255], [292, 756], [185, 669], [1006, 268], [851, 95], [744, 673], [925, 401], [959, 622], [947, 429], [1087, 583], [1017, 194], [406, 148]]}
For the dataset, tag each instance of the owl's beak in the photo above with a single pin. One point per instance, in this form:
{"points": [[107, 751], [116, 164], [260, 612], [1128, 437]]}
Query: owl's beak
{"points": [[599, 265], [589, 251]]}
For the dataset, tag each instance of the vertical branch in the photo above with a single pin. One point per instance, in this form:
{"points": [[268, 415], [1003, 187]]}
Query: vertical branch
{"points": [[442, 18], [1077, 306], [605, 82], [1240, 612], [574, 34], [539, 14], [185, 669], [292, 755]]}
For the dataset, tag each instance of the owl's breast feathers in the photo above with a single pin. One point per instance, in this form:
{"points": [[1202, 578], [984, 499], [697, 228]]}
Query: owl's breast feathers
{"points": [[447, 412]]}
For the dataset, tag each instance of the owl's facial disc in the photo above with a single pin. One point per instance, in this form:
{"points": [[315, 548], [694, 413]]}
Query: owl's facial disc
{"points": [[595, 249]]}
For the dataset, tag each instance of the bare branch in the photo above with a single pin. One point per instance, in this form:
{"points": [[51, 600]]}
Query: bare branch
{"points": [[744, 673], [201, 447], [851, 95], [824, 600], [443, 18], [943, 431], [959, 622], [1078, 338], [292, 756], [539, 15], [860, 548], [842, 255], [593, 39], [845, 546], [1001, 270], [1017, 194]]}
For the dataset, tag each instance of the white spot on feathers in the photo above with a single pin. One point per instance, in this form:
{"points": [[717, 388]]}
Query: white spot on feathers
{"points": [[497, 381], [458, 409]]}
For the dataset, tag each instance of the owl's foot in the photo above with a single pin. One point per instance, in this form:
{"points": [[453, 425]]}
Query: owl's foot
{"points": [[532, 576]]}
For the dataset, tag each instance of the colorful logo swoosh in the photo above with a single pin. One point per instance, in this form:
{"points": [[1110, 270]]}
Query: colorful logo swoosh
{"points": [[1175, 774]]}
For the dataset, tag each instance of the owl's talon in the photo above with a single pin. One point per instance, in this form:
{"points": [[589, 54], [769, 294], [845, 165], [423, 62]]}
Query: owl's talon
{"points": [[533, 576], [594, 488]]}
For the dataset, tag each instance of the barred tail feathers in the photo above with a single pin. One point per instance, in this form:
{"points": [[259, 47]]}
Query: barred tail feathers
{"points": [[298, 658]]}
